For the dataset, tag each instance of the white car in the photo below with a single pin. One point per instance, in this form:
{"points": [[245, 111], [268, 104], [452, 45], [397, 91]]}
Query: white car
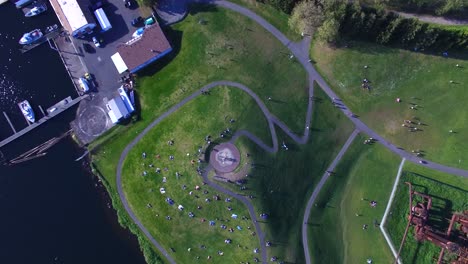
{"points": [[96, 42]]}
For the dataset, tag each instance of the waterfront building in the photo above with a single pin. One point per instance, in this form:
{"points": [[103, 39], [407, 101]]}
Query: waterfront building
{"points": [[120, 107], [142, 50], [74, 16]]}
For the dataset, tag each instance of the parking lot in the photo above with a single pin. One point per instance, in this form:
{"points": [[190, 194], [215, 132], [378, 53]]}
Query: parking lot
{"points": [[98, 60], [92, 119]]}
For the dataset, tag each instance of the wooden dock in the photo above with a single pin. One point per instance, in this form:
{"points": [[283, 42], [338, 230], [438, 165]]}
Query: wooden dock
{"points": [[9, 122], [44, 39], [41, 121]]}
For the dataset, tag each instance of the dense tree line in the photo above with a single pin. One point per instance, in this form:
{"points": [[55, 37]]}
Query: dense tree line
{"points": [[343, 20], [389, 29], [457, 8], [283, 5]]}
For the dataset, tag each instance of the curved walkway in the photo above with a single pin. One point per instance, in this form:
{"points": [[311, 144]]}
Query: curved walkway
{"points": [[272, 121], [300, 51], [317, 190], [433, 19], [248, 204]]}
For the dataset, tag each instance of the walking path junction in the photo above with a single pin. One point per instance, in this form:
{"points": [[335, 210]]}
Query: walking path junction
{"points": [[300, 52]]}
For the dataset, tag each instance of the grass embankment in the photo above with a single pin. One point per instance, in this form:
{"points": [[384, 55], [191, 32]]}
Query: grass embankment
{"points": [[274, 16], [365, 173], [449, 194], [420, 80], [281, 182], [188, 128], [227, 46]]}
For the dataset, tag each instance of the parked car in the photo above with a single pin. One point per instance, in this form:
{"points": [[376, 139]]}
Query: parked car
{"points": [[149, 21], [87, 48], [96, 42], [128, 3], [137, 21]]}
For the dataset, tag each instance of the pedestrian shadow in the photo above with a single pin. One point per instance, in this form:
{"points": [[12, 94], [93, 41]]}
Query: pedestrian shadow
{"points": [[278, 101]]}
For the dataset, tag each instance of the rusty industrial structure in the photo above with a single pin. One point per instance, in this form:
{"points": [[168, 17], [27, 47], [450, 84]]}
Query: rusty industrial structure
{"points": [[452, 241]]}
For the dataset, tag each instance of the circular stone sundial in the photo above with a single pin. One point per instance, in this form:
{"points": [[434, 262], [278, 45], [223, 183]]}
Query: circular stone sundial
{"points": [[225, 157]]}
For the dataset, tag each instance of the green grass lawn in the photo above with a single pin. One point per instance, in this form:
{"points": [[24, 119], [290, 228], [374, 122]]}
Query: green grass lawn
{"points": [[336, 234], [449, 193], [227, 46], [418, 79], [282, 182], [274, 16], [188, 128]]}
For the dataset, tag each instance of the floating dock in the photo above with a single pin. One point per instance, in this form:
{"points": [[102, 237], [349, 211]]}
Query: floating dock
{"points": [[59, 105], [41, 121], [44, 39], [9, 122]]}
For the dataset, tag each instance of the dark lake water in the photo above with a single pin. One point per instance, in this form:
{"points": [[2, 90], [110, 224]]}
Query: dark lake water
{"points": [[51, 210]]}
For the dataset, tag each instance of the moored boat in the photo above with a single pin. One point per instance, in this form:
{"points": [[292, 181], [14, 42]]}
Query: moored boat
{"points": [[84, 84], [22, 3], [36, 10], [31, 37], [27, 111]]}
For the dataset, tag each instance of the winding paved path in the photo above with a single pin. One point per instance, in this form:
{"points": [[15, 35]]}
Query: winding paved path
{"points": [[300, 51], [272, 121], [433, 19], [317, 190]]}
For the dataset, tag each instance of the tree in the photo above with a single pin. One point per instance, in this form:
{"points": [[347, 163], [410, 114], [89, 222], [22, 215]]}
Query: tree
{"points": [[391, 32], [306, 17], [284, 5], [412, 29], [451, 6], [329, 31]]}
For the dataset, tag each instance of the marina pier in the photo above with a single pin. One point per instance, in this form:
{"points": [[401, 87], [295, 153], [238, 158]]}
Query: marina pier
{"points": [[50, 35], [60, 107]]}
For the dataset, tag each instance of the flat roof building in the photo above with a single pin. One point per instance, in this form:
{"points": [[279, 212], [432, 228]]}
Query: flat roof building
{"points": [[74, 16], [142, 50], [119, 107], [116, 109]]}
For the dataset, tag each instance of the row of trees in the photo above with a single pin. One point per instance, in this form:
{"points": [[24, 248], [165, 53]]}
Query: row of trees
{"points": [[457, 8], [335, 19], [283, 5]]}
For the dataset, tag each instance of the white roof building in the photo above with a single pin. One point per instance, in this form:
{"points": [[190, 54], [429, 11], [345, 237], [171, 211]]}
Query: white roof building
{"points": [[74, 16], [119, 107], [116, 109]]}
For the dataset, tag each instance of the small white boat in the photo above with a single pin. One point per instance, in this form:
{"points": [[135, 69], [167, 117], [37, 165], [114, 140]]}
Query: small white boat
{"points": [[138, 33], [36, 10], [31, 37], [27, 111], [84, 84]]}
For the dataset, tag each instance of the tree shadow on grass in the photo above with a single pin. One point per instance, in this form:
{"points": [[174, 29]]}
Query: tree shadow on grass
{"points": [[414, 259], [369, 47], [438, 182]]}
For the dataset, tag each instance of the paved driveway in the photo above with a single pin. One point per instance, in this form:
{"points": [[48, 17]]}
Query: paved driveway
{"points": [[100, 63], [92, 119]]}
